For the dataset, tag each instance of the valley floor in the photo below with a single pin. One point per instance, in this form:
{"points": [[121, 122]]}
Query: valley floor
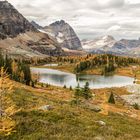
{"points": [[30, 119]]}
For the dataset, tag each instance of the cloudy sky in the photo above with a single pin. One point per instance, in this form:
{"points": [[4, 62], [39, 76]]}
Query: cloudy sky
{"points": [[89, 18]]}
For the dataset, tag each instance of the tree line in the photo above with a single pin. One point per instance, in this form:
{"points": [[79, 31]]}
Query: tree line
{"points": [[108, 63], [17, 70]]}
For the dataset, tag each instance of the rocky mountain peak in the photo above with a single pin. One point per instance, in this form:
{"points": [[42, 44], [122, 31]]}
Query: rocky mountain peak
{"points": [[20, 38], [36, 25], [5, 5], [65, 35], [108, 38], [99, 43], [12, 22], [58, 23]]}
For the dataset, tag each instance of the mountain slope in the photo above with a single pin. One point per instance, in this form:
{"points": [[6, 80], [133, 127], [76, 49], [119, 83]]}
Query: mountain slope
{"points": [[64, 34], [31, 44], [98, 43], [108, 44], [31, 119], [19, 37], [37, 26], [12, 22]]}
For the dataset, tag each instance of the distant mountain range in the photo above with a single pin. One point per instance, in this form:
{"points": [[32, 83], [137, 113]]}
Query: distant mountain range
{"points": [[21, 38], [107, 44]]}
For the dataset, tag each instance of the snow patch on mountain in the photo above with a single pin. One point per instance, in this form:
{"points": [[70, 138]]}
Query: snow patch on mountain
{"points": [[98, 43], [108, 44]]}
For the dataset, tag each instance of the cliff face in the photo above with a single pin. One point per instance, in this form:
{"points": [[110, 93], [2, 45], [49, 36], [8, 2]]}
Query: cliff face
{"points": [[20, 38], [12, 22], [37, 26], [64, 34]]}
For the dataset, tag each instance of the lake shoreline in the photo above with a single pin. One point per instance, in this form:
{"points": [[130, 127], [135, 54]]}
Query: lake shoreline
{"points": [[60, 78], [64, 68]]}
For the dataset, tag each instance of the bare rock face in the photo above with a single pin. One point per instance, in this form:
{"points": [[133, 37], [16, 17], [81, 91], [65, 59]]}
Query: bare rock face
{"points": [[20, 38], [12, 22], [31, 44], [37, 26], [64, 34]]}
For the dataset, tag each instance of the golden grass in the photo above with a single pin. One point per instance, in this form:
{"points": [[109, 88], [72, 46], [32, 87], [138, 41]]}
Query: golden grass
{"points": [[26, 101]]}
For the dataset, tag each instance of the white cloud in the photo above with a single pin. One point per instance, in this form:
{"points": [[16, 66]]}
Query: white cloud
{"points": [[133, 1], [89, 18]]}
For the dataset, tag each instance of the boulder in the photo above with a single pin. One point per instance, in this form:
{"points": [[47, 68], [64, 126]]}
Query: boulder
{"points": [[101, 123], [46, 107]]}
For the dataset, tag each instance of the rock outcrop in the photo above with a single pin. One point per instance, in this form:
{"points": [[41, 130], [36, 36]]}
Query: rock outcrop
{"points": [[20, 38], [64, 34], [37, 26], [12, 22]]}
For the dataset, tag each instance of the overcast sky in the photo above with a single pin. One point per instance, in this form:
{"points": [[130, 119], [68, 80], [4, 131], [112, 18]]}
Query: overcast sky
{"points": [[89, 18]]}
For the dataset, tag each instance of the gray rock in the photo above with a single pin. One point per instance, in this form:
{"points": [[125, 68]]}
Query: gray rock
{"points": [[12, 22], [101, 123], [94, 108], [46, 107], [132, 98], [90, 106], [37, 26], [64, 33], [99, 138]]}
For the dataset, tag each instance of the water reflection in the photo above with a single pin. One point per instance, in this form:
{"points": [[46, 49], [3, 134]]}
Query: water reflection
{"points": [[58, 78]]}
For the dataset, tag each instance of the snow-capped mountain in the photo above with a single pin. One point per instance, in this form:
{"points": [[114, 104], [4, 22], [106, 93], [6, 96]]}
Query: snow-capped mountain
{"points": [[98, 43], [108, 44], [64, 34]]}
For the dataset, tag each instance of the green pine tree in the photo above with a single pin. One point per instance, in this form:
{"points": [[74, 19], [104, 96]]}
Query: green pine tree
{"points": [[111, 99], [70, 87], [27, 74], [86, 92]]}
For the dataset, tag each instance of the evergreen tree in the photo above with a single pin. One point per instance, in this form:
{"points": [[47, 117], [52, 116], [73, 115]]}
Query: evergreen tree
{"points": [[15, 69], [86, 92], [33, 84], [136, 106], [27, 74], [1, 59], [70, 87], [8, 65], [111, 99], [47, 85], [42, 85]]}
